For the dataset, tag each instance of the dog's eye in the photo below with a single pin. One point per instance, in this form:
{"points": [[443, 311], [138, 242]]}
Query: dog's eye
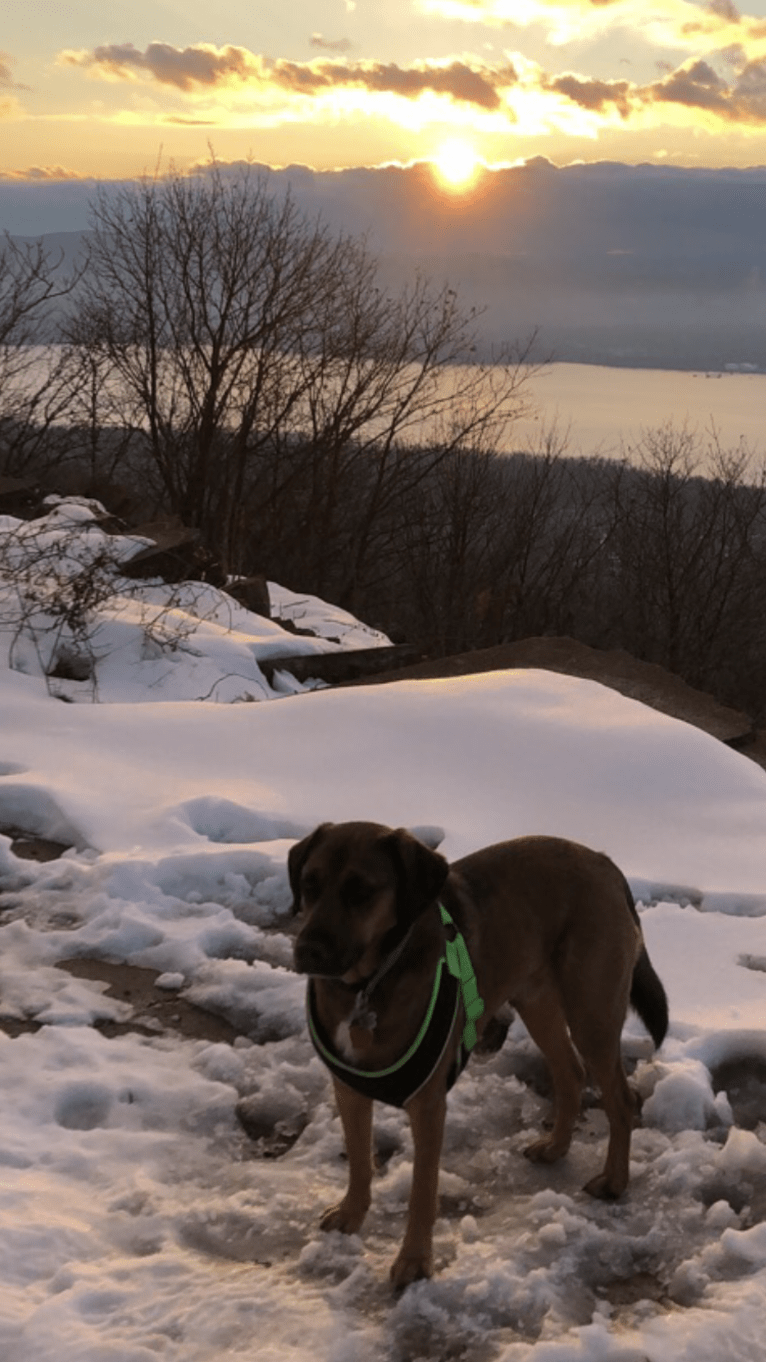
{"points": [[310, 888], [356, 892]]}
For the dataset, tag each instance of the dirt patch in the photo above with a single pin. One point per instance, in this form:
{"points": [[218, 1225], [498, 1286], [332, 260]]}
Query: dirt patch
{"points": [[642, 1286], [30, 848], [270, 1140], [155, 1010], [19, 1026]]}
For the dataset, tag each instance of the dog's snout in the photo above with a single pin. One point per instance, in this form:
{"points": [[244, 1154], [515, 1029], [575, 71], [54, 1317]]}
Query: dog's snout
{"points": [[315, 953]]}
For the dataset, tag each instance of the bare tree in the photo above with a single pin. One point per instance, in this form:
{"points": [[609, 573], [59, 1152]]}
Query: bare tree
{"points": [[500, 547], [191, 301], [270, 374], [690, 555], [447, 538], [36, 377]]}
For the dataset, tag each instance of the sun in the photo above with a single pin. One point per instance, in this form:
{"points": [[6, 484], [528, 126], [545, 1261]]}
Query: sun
{"points": [[456, 164]]}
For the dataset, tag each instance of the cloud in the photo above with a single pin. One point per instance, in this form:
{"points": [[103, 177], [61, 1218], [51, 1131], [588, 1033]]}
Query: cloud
{"points": [[457, 80], [596, 95], [9, 105], [203, 67], [725, 9], [698, 86], [695, 86], [331, 45], [185, 68], [40, 174], [722, 88], [678, 23], [6, 73], [179, 121]]}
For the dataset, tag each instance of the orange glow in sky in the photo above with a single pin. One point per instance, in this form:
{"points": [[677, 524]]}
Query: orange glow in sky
{"points": [[462, 83], [456, 164]]}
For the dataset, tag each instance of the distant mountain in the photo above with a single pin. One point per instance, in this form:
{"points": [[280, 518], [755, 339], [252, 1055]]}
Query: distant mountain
{"points": [[641, 265]]}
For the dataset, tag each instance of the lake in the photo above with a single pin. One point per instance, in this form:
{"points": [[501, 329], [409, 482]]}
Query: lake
{"points": [[606, 409]]}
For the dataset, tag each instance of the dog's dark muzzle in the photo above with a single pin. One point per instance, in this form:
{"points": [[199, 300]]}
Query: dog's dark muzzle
{"points": [[319, 953]]}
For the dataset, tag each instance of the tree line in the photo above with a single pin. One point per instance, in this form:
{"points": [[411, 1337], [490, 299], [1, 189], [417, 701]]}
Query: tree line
{"points": [[237, 365]]}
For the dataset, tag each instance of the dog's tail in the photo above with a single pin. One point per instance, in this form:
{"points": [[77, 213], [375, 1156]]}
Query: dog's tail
{"points": [[647, 995], [649, 998]]}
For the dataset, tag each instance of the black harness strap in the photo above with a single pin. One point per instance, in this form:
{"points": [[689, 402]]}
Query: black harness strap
{"points": [[398, 1084]]}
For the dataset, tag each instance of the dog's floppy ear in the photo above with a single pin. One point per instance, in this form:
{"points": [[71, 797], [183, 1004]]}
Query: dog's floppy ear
{"points": [[420, 873], [296, 859]]}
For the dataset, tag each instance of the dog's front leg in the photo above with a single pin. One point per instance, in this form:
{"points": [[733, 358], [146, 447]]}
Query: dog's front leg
{"points": [[415, 1257], [356, 1118]]}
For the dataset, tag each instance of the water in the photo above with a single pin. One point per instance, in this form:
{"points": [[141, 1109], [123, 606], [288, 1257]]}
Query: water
{"points": [[605, 410]]}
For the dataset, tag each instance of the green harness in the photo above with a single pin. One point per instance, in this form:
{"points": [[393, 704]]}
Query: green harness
{"points": [[454, 983], [459, 964]]}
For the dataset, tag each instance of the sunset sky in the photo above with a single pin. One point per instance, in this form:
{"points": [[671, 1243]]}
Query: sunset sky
{"points": [[109, 89]]}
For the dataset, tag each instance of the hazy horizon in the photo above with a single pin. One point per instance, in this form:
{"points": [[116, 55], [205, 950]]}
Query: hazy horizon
{"points": [[631, 266]]}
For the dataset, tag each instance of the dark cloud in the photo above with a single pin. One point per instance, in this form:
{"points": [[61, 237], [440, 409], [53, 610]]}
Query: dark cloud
{"points": [[698, 86], [205, 66], [182, 67], [6, 74], [596, 95], [738, 98], [331, 45], [43, 174], [725, 9], [458, 80], [750, 91], [734, 55]]}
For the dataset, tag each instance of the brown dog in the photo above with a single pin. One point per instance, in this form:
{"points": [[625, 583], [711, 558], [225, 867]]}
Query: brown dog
{"points": [[394, 1006]]}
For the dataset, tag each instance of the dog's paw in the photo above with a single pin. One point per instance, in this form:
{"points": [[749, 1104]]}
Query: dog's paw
{"points": [[410, 1267], [345, 1217], [603, 1188], [545, 1150]]}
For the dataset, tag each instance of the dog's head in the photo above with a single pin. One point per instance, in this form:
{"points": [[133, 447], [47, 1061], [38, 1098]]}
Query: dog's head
{"points": [[359, 886]]}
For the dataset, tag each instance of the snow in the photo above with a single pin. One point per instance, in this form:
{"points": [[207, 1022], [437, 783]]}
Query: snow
{"points": [[141, 1222], [142, 641]]}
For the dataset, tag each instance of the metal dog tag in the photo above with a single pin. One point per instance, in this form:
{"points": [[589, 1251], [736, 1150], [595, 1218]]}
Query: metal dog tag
{"points": [[363, 1015]]}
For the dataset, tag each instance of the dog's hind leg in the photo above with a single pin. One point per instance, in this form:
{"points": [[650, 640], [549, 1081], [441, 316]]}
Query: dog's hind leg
{"points": [[356, 1118], [543, 1016], [596, 1025], [604, 1060]]}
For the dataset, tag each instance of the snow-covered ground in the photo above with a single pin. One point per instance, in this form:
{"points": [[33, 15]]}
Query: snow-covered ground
{"points": [[140, 1223], [68, 612]]}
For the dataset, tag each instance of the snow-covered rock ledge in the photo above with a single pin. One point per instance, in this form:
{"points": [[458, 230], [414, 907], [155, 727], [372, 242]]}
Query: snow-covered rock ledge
{"points": [[69, 613]]}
